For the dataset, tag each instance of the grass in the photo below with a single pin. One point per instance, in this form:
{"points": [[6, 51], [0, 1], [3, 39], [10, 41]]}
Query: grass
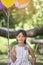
{"points": [[3, 55], [3, 49], [4, 44], [39, 59]]}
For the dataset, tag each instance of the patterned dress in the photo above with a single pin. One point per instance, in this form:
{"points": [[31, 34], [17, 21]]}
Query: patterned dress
{"points": [[22, 56]]}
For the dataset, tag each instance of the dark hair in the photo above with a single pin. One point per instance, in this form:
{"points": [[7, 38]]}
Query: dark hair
{"points": [[23, 32]]}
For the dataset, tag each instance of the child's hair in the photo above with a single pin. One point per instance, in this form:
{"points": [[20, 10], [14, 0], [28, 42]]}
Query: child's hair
{"points": [[23, 32]]}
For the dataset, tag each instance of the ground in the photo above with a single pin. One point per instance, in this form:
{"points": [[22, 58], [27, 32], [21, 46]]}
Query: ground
{"points": [[39, 59], [4, 56]]}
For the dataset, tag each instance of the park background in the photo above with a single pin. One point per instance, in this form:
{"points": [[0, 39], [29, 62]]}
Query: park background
{"points": [[29, 19]]}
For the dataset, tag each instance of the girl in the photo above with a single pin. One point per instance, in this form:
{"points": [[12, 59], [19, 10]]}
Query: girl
{"points": [[21, 51]]}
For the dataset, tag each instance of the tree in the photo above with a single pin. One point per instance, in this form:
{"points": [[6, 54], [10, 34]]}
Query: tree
{"points": [[12, 33]]}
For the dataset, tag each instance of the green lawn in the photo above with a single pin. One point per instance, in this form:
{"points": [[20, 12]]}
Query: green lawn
{"points": [[39, 59], [3, 49], [4, 44], [3, 55]]}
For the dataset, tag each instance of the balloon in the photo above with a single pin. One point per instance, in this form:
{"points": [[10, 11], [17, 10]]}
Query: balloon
{"points": [[21, 3], [21, 6], [1, 6], [8, 3]]}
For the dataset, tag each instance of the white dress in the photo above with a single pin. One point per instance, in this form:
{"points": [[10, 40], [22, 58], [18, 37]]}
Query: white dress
{"points": [[22, 56]]}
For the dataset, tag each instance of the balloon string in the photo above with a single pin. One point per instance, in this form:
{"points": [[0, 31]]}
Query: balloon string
{"points": [[8, 15], [8, 39], [8, 30], [5, 12]]}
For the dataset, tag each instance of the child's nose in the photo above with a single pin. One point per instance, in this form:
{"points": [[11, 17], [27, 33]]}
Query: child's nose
{"points": [[20, 37]]}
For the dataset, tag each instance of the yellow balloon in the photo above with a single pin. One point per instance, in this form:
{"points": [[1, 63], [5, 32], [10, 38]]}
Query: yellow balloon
{"points": [[8, 3], [23, 1]]}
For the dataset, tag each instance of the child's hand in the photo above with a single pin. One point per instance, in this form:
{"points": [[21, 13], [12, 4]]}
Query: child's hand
{"points": [[13, 56], [9, 49]]}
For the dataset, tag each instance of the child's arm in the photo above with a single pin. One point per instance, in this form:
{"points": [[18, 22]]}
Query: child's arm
{"points": [[33, 56], [13, 54]]}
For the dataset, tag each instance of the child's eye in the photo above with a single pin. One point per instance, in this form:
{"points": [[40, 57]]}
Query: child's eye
{"points": [[20, 36]]}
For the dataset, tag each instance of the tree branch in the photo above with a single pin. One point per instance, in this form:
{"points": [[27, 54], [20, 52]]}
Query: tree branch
{"points": [[30, 33], [32, 40]]}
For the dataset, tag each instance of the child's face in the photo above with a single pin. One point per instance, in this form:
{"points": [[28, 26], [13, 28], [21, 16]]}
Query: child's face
{"points": [[21, 38]]}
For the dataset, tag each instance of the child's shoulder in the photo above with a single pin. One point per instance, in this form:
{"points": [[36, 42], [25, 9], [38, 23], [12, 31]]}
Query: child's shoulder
{"points": [[27, 45], [14, 47]]}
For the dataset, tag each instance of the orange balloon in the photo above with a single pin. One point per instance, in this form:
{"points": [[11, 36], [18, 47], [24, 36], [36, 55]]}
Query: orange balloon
{"points": [[23, 1]]}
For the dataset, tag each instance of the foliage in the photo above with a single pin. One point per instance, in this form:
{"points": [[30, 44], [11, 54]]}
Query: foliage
{"points": [[13, 43], [26, 18]]}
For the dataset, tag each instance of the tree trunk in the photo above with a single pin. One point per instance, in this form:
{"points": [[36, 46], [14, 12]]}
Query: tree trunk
{"points": [[31, 33], [32, 40]]}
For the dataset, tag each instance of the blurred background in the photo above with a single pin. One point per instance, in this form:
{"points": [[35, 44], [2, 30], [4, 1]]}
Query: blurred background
{"points": [[29, 19]]}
